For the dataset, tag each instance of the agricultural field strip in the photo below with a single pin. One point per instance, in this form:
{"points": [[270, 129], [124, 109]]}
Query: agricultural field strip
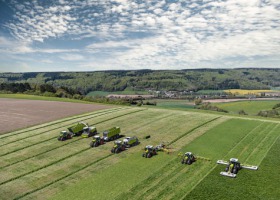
{"points": [[49, 164], [72, 123], [158, 187], [151, 178], [63, 177], [69, 174], [214, 165], [15, 150], [261, 142], [269, 148], [252, 138], [33, 128], [70, 142]]}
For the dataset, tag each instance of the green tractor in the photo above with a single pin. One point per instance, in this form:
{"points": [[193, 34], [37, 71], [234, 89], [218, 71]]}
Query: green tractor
{"points": [[111, 134], [96, 141], [131, 141], [118, 147], [77, 129], [149, 151], [89, 131], [188, 158], [233, 166], [64, 135]]}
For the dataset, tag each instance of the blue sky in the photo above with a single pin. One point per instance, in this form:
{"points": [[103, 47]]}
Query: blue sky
{"points": [[90, 35]]}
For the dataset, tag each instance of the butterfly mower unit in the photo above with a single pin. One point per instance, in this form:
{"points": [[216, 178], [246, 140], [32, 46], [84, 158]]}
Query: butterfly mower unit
{"points": [[233, 166]]}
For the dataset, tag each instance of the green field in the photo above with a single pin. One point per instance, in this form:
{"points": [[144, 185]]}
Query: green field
{"points": [[34, 165], [250, 107], [125, 92], [173, 104]]}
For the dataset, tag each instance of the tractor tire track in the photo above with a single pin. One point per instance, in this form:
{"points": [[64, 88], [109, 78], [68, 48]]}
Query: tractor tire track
{"points": [[70, 142], [56, 136], [63, 177]]}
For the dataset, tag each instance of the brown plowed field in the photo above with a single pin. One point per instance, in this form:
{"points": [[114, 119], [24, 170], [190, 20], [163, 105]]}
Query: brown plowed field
{"points": [[18, 113]]}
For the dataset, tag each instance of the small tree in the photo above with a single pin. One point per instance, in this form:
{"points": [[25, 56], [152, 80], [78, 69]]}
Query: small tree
{"points": [[198, 101]]}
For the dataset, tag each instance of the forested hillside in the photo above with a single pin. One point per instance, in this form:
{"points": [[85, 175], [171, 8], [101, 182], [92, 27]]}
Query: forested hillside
{"points": [[179, 80]]}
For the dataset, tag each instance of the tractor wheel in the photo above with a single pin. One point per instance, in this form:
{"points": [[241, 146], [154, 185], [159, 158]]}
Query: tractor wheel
{"points": [[91, 144], [183, 162], [143, 155], [117, 150], [59, 139], [113, 150], [189, 162], [227, 168], [235, 170], [149, 155], [95, 144]]}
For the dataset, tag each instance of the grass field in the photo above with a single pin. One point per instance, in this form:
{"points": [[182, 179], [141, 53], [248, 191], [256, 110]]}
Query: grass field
{"points": [[125, 92], [250, 107], [34, 165]]}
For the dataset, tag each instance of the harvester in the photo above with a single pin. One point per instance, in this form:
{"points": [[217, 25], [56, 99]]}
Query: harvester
{"points": [[77, 129], [149, 151], [96, 141], [233, 166], [130, 141], [188, 158], [89, 131], [118, 147], [64, 135], [111, 134]]}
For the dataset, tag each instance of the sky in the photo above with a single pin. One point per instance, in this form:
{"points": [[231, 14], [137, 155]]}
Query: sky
{"points": [[94, 35]]}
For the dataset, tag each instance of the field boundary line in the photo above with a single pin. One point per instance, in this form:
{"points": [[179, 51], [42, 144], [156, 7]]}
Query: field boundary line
{"points": [[193, 129], [56, 136], [63, 177], [269, 148], [9, 134], [270, 132], [92, 116]]}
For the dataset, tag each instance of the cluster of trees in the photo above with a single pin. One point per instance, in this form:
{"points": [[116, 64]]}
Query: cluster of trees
{"points": [[177, 80], [209, 106]]}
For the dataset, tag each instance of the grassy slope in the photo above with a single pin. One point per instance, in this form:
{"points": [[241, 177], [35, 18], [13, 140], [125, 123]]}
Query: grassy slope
{"points": [[35, 164], [155, 178], [261, 184], [35, 97], [250, 107]]}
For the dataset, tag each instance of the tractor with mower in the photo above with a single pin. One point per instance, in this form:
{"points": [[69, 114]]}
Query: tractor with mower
{"points": [[130, 141], [149, 151], [96, 141], [64, 135], [89, 131], [118, 147], [188, 158], [233, 166], [111, 134]]}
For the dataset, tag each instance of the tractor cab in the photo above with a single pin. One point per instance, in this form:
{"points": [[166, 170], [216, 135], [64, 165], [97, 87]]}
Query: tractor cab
{"points": [[149, 148], [86, 129], [125, 141], [118, 143], [96, 138], [188, 158], [63, 133]]}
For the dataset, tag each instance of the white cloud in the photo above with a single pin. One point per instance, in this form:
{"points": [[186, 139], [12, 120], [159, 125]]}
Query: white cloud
{"points": [[72, 57]]}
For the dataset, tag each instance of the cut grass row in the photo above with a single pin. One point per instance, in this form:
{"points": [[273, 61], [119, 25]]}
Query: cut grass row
{"points": [[169, 125], [10, 138], [261, 184], [45, 138]]}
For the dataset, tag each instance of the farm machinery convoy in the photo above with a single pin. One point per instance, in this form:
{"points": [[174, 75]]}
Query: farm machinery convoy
{"points": [[86, 131]]}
